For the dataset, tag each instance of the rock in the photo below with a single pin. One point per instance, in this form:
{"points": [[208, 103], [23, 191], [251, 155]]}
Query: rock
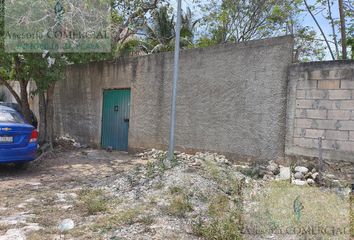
{"points": [[273, 167], [299, 182], [310, 181], [315, 175], [285, 173], [308, 175], [313, 170], [298, 175], [13, 234], [66, 225], [303, 170]]}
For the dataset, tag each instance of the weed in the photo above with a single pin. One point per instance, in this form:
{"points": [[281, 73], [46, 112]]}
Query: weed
{"points": [[93, 201], [227, 228], [218, 206], [175, 190], [127, 217], [179, 205], [150, 169]]}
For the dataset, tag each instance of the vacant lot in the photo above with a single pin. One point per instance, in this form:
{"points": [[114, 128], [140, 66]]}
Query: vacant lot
{"points": [[94, 194]]}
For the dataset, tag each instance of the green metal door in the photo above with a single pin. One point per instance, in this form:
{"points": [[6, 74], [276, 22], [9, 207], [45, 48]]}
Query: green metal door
{"points": [[115, 121]]}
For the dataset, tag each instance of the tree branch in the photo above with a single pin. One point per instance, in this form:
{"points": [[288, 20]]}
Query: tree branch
{"points": [[321, 30]]}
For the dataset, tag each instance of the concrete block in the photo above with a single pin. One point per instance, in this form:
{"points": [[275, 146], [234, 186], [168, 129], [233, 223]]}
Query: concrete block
{"points": [[299, 132], [339, 114], [300, 94], [347, 104], [304, 104], [326, 104], [336, 135], [305, 142], [351, 136], [303, 123], [346, 146], [313, 114], [329, 145], [346, 125], [307, 84], [328, 84], [347, 84], [314, 133], [316, 94], [340, 94], [325, 124]]}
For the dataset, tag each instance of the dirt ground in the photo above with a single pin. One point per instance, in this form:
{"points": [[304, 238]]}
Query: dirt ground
{"points": [[116, 196], [33, 201]]}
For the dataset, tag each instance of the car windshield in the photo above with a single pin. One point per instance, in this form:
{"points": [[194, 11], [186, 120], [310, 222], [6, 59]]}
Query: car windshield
{"points": [[10, 117]]}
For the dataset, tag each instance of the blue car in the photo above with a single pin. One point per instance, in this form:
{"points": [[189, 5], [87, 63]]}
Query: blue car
{"points": [[18, 139]]}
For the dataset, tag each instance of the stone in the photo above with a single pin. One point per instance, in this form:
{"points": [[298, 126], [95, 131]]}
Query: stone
{"points": [[66, 225], [273, 167], [14, 234], [285, 173], [299, 182], [315, 175], [298, 175], [310, 181], [303, 170]]}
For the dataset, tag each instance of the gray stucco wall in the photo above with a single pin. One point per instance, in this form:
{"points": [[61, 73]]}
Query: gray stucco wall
{"points": [[231, 99]]}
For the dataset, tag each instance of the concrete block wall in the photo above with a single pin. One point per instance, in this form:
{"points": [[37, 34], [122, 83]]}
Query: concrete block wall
{"points": [[321, 105]]}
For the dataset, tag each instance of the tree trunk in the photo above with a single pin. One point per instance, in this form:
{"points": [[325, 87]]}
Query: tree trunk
{"points": [[320, 28], [42, 118], [50, 115], [25, 108], [333, 26], [342, 29]]}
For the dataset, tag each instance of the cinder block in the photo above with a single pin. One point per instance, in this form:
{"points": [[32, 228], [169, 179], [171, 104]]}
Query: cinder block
{"points": [[306, 84], [312, 114], [314, 133], [346, 125], [340, 94], [332, 74], [347, 104], [337, 135], [326, 104], [303, 123], [347, 84], [305, 142], [304, 104], [325, 124], [346, 146], [329, 145], [339, 114], [328, 84], [299, 132], [351, 136], [316, 94], [300, 94]]}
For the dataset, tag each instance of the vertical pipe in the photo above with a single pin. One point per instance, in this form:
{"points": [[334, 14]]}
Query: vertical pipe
{"points": [[175, 80]]}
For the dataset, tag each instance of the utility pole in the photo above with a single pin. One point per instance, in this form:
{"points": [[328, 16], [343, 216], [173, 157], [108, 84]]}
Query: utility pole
{"points": [[175, 80]]}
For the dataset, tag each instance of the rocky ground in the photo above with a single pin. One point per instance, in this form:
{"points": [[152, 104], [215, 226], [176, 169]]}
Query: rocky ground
{"points": [[82, 193]]}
